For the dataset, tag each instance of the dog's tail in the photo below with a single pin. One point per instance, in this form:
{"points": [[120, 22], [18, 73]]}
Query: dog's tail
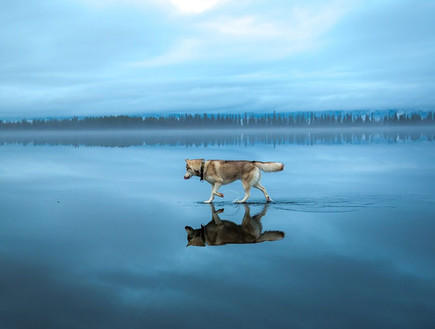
{"points": [[269, 166], [271, 236]]}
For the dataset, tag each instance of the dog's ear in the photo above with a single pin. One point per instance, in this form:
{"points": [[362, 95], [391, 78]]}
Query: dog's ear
{"points": [[187, 160], [189, 229]]}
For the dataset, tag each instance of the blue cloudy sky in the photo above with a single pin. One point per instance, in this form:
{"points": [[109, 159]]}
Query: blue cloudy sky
{"points": [[93, 57]]}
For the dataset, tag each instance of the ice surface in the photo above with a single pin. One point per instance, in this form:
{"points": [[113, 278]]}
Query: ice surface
{"points": [[94, 237]]}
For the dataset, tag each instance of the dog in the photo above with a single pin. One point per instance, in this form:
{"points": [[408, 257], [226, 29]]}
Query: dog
{"points": [[220, 232], [222, 172]]}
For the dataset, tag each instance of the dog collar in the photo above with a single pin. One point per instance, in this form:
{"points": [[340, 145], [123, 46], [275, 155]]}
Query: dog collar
{"points": [[201, 171]]}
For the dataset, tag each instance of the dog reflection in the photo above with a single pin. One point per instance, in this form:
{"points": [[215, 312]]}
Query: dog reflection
{"points": [[219, 232]]}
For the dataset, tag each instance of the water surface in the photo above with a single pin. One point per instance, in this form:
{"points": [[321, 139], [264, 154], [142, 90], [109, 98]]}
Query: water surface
{"points": [[94, 237]]}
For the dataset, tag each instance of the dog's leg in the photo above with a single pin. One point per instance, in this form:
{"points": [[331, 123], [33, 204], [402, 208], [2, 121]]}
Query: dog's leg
{"points": [[250, 225], [247, 216], [214, 189], [211, 196], [215, 215], [262, 189], [257, 217], [260, 215], [247, 188]]}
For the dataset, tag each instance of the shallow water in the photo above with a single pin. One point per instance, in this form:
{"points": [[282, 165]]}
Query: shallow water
{"points": [[94, 237]]}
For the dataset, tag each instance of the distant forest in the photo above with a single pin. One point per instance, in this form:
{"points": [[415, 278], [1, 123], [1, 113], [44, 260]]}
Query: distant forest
{"points": [[127, 138], [239, 121]]}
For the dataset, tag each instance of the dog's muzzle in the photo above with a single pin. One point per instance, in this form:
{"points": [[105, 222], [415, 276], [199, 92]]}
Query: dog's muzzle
{"points": [[187, 176]]}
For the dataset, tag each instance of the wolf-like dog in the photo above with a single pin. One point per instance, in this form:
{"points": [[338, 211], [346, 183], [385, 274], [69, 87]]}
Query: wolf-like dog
{"points": [[219, 232], [221, 172]]}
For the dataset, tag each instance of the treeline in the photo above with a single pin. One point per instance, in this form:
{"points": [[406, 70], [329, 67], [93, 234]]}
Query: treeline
{"points": [[251, 120], [222, 138]]}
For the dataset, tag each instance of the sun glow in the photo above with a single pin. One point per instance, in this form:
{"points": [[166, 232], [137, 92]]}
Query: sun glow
{"points": [[195, 6]]}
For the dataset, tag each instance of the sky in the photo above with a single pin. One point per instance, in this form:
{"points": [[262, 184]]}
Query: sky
{"points": [[108, 57]]}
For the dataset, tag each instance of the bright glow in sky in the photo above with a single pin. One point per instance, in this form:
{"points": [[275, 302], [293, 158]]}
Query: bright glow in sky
{"points": [[93, 57], [195, 6]]}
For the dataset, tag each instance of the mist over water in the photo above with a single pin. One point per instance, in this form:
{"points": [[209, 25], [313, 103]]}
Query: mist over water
{"points": [[94, 237], [221, 137]]}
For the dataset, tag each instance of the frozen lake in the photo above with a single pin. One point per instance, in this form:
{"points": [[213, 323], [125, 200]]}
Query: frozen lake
{"points": [[92, 232]]}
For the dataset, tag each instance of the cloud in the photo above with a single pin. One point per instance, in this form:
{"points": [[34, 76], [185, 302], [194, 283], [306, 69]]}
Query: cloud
{"points": [[182, 6], [245, 26], [232, 37], [183, 51], [270, 34], [196, 6], [89, 56], [297, 23]]}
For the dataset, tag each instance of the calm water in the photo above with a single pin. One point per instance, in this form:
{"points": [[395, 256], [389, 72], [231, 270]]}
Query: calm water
{"points": [[94, 237]]}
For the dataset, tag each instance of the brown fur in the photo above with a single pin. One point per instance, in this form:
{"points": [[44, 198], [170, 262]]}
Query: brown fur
{"points": [[220, 232], [222, 172]]}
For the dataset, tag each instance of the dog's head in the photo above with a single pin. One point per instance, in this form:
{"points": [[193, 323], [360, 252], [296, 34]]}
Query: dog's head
{"points": [[195, 237], [193, 168]]}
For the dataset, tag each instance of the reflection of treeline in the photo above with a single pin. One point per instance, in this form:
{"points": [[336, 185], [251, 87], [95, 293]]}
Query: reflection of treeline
{"points": [[265, 137], [187, 121]]}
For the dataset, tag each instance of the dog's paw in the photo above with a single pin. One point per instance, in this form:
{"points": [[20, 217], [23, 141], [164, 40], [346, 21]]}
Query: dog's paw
{"points": [[268, 200], [220, 211], [207, 201], [220, 195], [239, 201]]}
